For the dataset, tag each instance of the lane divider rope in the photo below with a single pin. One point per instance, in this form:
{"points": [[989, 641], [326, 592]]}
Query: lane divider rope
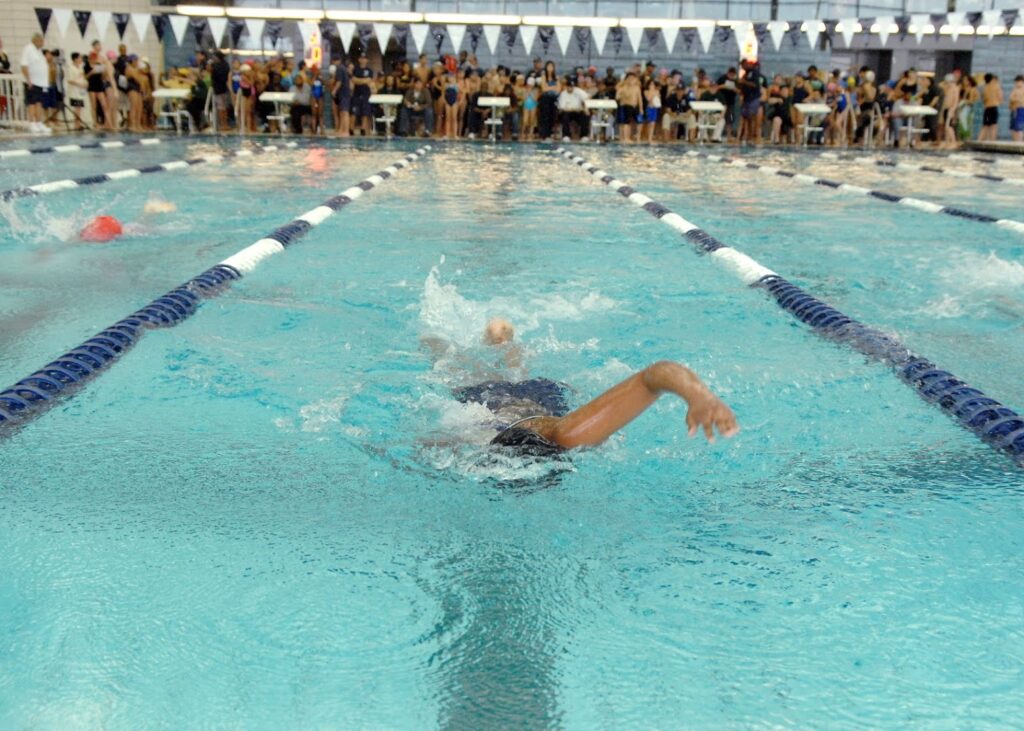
{"points": [[70, 183], [31, 396], [995, 423], [1013, 160], [918, 203], [952, 172], [103, 145]]}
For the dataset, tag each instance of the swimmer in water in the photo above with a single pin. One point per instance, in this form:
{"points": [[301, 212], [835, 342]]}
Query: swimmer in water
{"points": [[155, 206], [534, 419]]}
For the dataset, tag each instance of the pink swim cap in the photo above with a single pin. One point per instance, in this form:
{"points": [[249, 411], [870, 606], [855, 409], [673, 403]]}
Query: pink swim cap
{"points": [[111, 55]]}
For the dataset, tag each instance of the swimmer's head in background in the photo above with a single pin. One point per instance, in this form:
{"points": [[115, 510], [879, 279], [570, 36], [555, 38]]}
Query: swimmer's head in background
{"points": [[158, 205], [498, 331]]}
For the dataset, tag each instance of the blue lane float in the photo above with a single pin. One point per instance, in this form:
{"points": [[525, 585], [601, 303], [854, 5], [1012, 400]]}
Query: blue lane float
{"points": [[995, 423], [903, 165], [918, 203], [63, 376], [70, 183], [102, 145]]}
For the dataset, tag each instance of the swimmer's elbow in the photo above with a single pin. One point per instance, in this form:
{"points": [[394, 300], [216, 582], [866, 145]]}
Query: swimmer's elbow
{"points": [[667, 375]]}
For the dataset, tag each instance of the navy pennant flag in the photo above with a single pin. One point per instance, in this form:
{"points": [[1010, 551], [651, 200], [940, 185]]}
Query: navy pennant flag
{"points": [[121, 23], [43, 16], [82, 20]]}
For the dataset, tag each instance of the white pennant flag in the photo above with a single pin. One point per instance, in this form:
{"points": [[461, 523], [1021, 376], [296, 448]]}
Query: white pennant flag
{"points": [[306, 31], [599, 34], [919, 22], [492, 33], [705, 32], [102, 20], [564, 35], [884, 27], [419, 34], [179, 24], [528, 33], [636, 35], [456, 34], [345, 31], [991, 19], [847, 27], [777, 30], [813, 31], [955, 21], [217, 27], [383, 33], [62, 17], [255, 28]]}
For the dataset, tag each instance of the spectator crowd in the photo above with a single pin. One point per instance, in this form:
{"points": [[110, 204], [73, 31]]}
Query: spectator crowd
{"points": [[443, 99]]}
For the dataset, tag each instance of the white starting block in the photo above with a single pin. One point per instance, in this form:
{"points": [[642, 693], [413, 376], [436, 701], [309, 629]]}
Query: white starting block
{"points": [[174, 99], [814, 115], [912, 113], [389, 103], [706, 120], [278, 98], [602, 116], [494, 103]]}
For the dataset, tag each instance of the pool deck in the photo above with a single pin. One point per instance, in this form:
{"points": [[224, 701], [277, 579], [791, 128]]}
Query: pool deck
{"points": [[1005, 147]]}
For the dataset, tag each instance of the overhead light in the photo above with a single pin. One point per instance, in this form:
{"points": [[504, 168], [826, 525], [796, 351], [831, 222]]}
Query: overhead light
{"points": [[256, 52], [857, 27], [927, 28], [877, 28], [206, 11], [570, 20], [374, 16], [276, 13], [471, 19], [665, 23], [808, 24], [965, 30]]}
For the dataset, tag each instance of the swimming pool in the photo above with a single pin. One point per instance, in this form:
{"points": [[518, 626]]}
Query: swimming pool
{"points": [[247, 520]]}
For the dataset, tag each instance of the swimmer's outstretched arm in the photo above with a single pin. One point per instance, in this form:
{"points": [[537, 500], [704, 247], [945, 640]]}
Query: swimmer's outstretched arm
{"points": [[593, 423]]}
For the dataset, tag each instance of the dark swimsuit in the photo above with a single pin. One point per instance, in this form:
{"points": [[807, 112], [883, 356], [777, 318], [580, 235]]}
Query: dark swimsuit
{"points": [[547, 396]]}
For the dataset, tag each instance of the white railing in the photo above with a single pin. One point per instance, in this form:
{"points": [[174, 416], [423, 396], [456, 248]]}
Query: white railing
{"points": [[12, 101]]}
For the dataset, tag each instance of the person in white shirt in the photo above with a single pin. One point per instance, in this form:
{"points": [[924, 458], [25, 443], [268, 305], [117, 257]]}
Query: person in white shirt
{"points": [[571, 108], [76, 87], [36, 72]]}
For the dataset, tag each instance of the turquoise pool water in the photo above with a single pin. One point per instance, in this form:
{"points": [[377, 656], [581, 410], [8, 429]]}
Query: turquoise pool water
{"points": [[247, 522]]}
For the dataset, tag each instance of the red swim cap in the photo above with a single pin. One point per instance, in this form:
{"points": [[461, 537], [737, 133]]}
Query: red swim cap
{"points": [[101, 229]]}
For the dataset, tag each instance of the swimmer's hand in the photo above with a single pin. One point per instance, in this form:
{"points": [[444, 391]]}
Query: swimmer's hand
{"points": [[709, 412]]}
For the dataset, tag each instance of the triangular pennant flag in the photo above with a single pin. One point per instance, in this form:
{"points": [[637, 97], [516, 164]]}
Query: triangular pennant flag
{"points": [[545, 33], [725, 34], [671, 37], [777, 30], [198, 26], [400, 35], [419, 34], [491, 34], [178, 25], [455, 35], [217, 26], [160, 26], [813, 30], [903, 26], [43, 16], [528, 33], [564, 35], [383, 33], [474, 32], [235, 28], [705, 31], [102, 20], [1012, 18], [509, 34], [582, 39], [121, 24], [992, 20], [306, 31], [61, 20], [345, 31], [82, 20], [847, 28], [884, 27], [919, 22], [439, 36], [599, 34], [255, 26], [955, 22], [140, 22], [689, 35], [653, 35], [761, 33], [635, 36]]}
